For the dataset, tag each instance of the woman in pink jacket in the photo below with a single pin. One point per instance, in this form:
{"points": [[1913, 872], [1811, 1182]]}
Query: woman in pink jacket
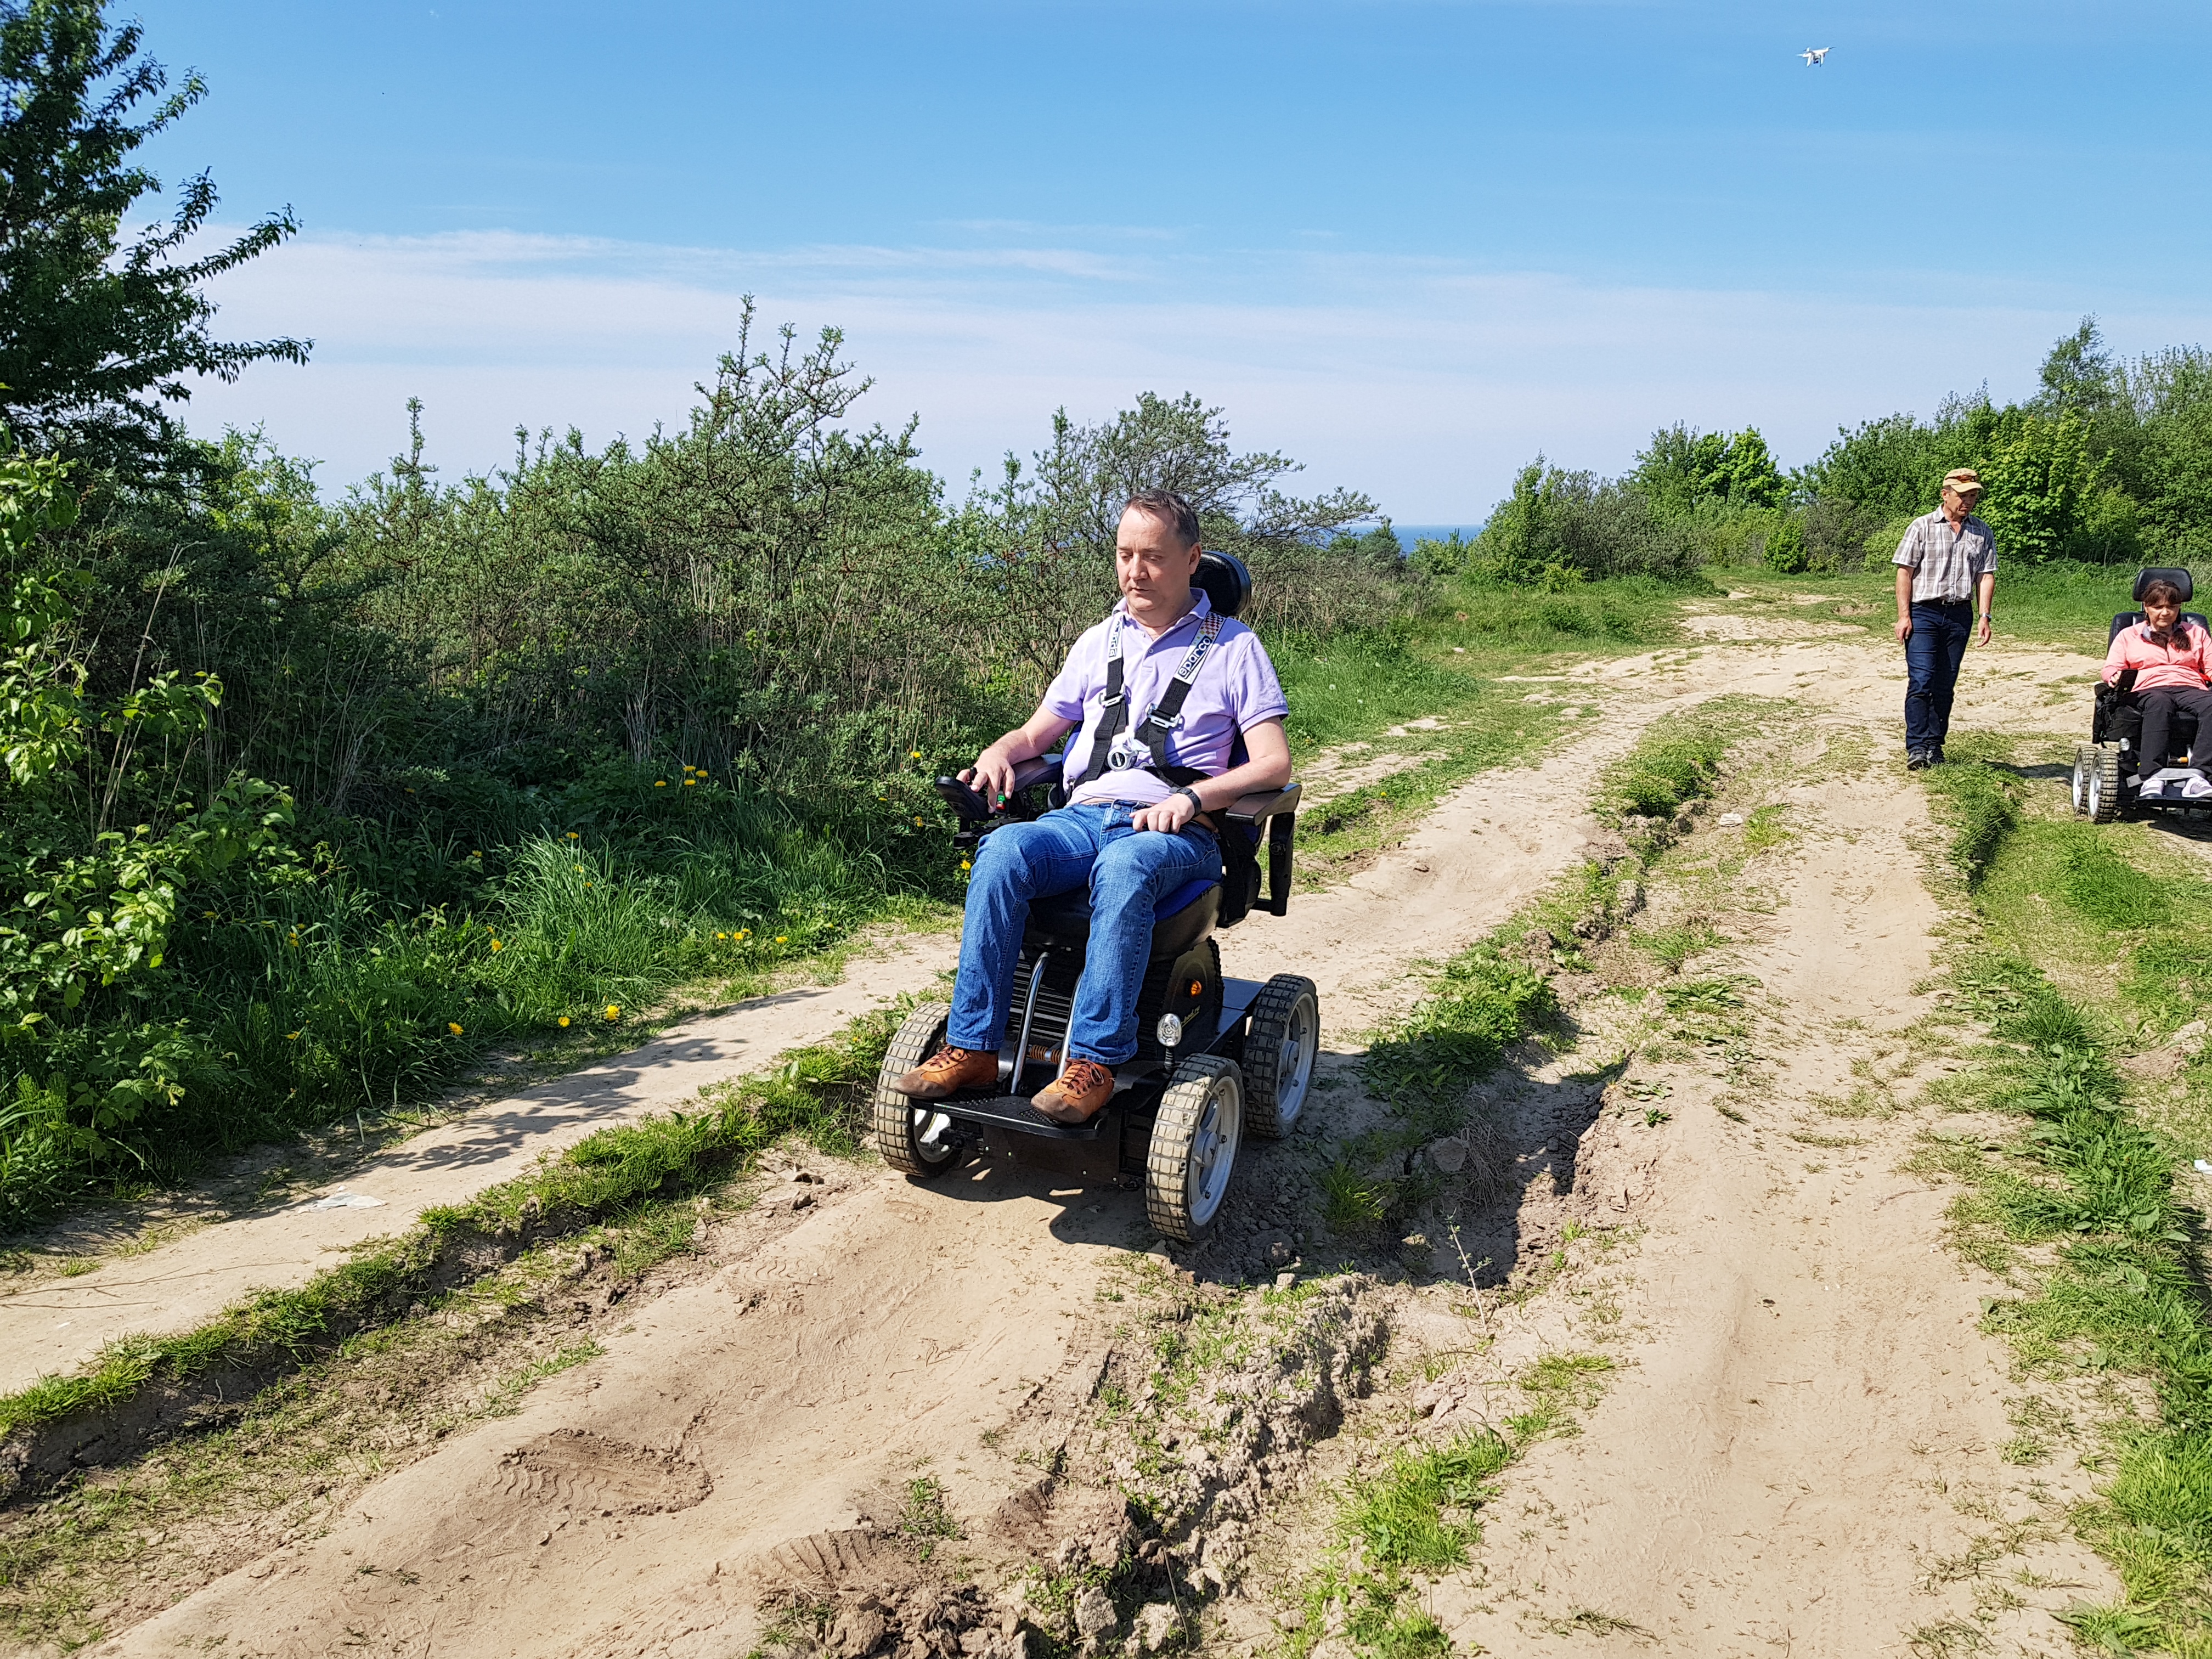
{"points": [[2173, 671]]}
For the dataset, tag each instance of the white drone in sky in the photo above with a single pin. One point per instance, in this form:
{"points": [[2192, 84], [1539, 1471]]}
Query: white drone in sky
{"points": [[1815, 56]]}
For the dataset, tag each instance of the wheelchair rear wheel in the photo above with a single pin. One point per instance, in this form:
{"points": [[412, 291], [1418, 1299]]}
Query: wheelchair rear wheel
{"points": [[1279, 1050], [904, 1127], [1193, 1149]]}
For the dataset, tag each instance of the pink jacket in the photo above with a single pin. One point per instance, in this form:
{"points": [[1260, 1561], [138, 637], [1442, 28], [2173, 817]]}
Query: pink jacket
{"points": [[2182, 661]]}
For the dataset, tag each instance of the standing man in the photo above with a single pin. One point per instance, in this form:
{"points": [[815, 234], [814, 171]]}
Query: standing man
{"points": [[1947, 562]]}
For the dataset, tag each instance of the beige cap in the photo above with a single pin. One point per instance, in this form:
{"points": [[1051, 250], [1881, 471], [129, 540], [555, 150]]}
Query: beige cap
{"points": [[1963, 479]]}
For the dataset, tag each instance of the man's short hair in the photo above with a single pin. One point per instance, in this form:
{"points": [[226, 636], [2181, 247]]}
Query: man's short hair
{"points": [[1169, 509]]}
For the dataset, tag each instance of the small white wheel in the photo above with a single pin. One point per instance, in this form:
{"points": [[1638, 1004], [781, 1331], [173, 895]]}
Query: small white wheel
{"points": [[910, 1134], [1193, 1149], [2083, 768], [1279, 1051]]}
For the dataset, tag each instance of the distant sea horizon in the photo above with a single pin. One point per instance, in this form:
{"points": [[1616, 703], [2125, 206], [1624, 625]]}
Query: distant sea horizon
{"points": [[1407, 534]]}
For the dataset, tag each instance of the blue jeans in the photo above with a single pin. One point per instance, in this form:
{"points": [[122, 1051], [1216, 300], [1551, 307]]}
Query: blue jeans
{"points": [[1128, 870], [1932, 657]]}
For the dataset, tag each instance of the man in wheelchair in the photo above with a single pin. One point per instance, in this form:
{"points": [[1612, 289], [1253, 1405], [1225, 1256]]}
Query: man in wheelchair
{"points": [[2158, 664], [1178, 713]]}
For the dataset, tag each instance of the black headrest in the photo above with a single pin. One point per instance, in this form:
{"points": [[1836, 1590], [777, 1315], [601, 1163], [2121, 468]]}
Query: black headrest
{"points": [[1224, 581], [2165, 573]]}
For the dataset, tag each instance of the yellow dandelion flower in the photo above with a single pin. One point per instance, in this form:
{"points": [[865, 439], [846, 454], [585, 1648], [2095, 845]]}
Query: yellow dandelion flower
{"points": [[564, 1019], [915, 756], [783, 938], [614, 1010], [454, 1029], [660, 783], [966, 864], [476, 855], [496, 945], [687, 782], [572, 835], [917, 820], [291, 1036]]}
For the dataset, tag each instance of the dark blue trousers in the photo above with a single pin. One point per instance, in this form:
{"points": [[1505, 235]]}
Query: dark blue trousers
{"points": [[1932, 657]]}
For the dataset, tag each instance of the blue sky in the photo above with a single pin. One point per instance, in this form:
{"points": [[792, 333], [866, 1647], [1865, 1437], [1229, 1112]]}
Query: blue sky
{"points": [[1410, 244]]}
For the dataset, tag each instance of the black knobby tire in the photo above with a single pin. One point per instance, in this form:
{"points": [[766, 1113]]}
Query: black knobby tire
{"points": [[1281, 1047], [1193, 1147], [899, 1120], [2104, 802]]}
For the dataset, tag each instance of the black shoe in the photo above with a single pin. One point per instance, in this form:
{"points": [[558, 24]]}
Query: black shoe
{"points": [[1935, 757], [1917, 760]]}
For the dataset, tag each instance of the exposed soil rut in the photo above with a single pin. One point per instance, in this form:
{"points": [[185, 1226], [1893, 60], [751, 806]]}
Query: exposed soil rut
{"points": [[632, 1505], [57, 1324]]}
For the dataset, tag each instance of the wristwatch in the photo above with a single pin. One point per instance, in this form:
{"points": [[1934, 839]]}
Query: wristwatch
{"points": [[1197, 806]]}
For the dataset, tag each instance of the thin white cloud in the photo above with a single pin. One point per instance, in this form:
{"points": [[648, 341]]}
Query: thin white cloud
{"points": [[1423, 382]]}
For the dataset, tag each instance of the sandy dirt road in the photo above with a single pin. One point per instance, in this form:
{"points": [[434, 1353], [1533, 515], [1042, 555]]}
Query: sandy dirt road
{"points": [[57, 1324], [628, 1506]]}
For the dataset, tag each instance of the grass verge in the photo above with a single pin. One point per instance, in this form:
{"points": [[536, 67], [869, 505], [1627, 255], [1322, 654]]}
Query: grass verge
{"points": [[818, 1093], [2080, 1205], [1444, 694]]}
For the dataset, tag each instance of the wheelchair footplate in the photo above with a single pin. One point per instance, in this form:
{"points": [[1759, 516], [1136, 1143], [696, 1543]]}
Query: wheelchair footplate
{"points": [[1137, 1084]]}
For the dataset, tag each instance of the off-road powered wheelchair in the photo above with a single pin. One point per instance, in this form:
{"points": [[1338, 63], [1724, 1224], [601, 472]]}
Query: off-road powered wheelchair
{"points": [[1216, 1058], [2107, 778]]}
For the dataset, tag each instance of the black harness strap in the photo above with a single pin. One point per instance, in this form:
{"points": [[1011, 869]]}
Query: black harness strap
{"points": [[1166, 714]]}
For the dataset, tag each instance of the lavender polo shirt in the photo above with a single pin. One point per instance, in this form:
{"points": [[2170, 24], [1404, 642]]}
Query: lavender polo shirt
{"points": [[1236, 690]]}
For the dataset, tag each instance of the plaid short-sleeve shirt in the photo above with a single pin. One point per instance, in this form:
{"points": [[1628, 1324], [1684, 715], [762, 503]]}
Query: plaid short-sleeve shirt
{"points": [[1946, 563]]}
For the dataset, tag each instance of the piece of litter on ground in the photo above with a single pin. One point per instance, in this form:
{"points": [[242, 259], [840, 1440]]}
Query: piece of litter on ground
{"points": [[343, 1200], [1285, 1280], [1730, 820], [2203, 1168]]}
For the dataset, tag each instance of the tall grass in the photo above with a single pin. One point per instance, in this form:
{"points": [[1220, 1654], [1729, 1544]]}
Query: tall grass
{"points": [[2090, 1179], [309, 1004]]}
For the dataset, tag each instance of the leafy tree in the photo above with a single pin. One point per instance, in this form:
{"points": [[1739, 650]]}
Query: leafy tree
{"points": [[2173, 393], [1684, 469], [1887, 468], [2079, 376], [2040, 482], [1046, 534], [1558, 528], [97, 844], [98, 333]]}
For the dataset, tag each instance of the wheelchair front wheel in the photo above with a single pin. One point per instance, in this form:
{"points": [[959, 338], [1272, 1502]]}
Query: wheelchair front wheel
{"points": [[1279, 1051], [2102, 798], [904, 1126], [1193, 1149]]}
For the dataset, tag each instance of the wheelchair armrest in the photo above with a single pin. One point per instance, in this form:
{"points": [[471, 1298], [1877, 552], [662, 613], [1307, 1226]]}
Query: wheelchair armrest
{"points": [[1264, 803], [1042, 769]]}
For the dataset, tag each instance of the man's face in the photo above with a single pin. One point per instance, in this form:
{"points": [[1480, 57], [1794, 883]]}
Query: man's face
{"points": [[1959, 506], [1150, 563]]}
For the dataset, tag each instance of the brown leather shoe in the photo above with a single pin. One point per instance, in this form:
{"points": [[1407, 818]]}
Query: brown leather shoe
{"points": [[948, 1071], [1079, 1094]]}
